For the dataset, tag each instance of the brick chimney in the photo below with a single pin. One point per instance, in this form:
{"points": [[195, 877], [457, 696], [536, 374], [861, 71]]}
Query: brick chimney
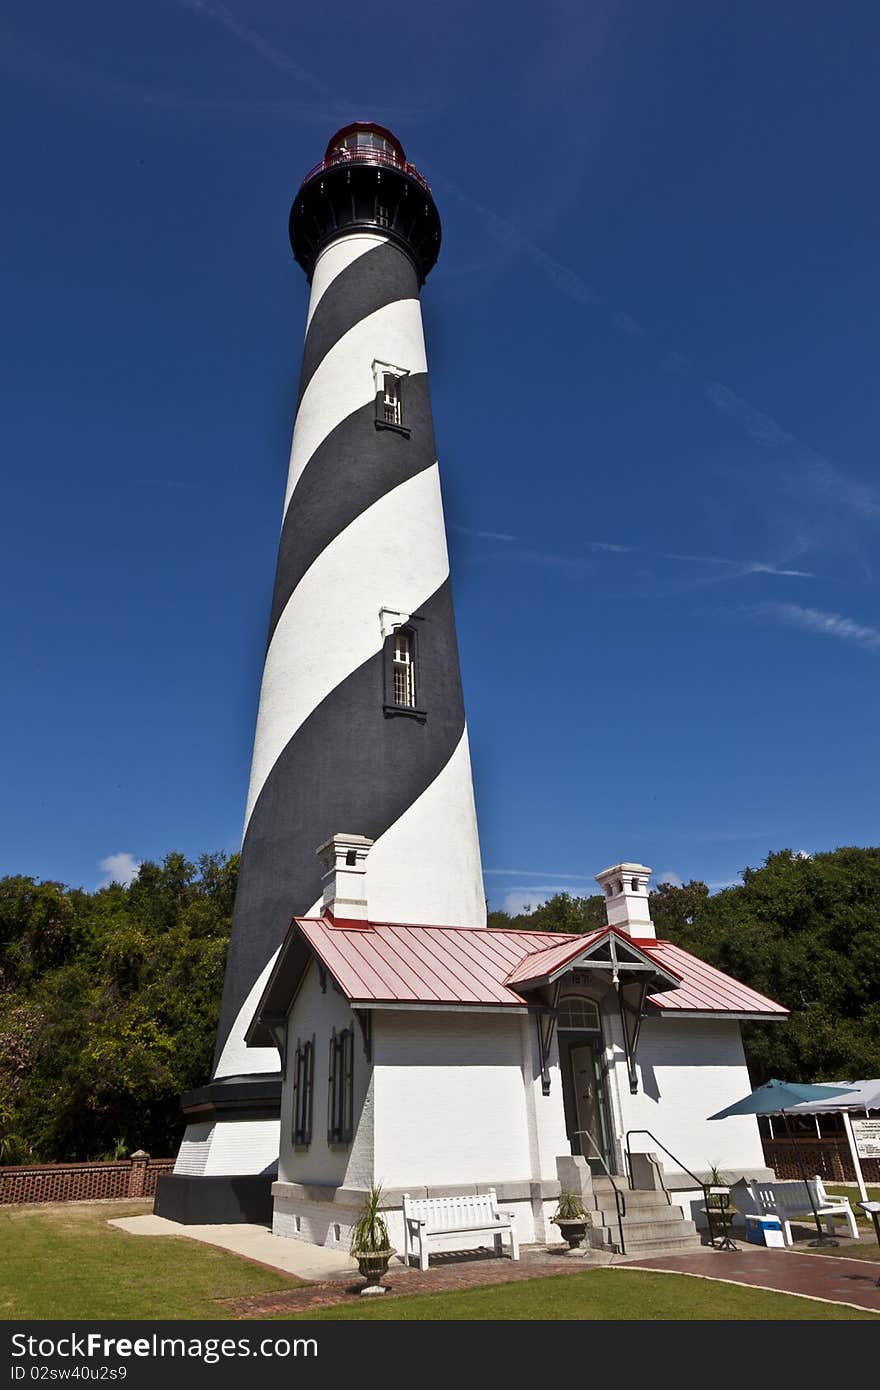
{"points": [[626, 899], [344, 859]]}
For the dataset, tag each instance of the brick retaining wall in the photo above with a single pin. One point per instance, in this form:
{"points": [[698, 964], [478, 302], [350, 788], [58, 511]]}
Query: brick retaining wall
{"points": [[82, 1182]]}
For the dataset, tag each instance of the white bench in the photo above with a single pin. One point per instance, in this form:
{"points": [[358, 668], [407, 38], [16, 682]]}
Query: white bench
{"points": [[435, 1220], [790, 1199]]}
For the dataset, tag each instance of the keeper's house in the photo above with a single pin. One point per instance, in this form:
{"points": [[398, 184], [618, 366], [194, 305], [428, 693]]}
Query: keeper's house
{"points": [[440, 1059]]}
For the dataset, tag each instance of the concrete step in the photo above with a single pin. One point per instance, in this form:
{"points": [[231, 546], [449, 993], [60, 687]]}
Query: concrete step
{"points": [[660, 1245], [604, 1196], [644, 1209], [651, 1230]]}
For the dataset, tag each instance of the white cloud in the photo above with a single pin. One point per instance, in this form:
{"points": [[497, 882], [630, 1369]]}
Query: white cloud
{"points": [[521, 901], [825, 624], [484, 535], [119, 868], [542, 873], [669, 877], [760, 427]]}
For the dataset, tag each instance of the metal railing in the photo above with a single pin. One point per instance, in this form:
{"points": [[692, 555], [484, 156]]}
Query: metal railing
{"points": [[704, 1187], [697, 1182], [368, 156], [619, 1199]]}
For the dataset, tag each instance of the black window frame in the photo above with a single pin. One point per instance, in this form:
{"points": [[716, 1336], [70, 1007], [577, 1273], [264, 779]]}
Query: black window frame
{"points": [[340, 1087], [381, 422], [391, 707], [303, 1093]]}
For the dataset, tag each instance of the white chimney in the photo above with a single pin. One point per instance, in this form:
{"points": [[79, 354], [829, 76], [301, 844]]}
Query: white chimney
{"points": [[344, 858], [626, 899]]}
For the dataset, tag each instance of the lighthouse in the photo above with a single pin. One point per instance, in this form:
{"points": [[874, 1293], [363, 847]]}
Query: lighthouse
{"points": [[360, 728]]}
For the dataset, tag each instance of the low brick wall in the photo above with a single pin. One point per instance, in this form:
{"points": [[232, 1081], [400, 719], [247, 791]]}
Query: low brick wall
{"points": [[830, 1158], [82, 1182]]}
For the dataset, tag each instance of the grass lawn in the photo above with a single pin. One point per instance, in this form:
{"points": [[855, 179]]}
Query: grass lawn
{"points": [[595, 1295], [64, 1261], [853, 1194]]}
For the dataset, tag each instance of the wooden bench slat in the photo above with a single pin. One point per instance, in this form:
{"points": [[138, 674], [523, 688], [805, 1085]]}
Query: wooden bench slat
{"points": [[426, 1218]]}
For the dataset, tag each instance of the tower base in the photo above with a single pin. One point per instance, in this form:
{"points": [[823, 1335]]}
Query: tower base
{"points": [[229, 1155], [231, 1199]]}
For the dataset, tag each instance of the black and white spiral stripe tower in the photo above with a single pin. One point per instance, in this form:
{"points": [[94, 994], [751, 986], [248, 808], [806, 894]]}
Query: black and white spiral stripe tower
{"points": [[361, 724]]}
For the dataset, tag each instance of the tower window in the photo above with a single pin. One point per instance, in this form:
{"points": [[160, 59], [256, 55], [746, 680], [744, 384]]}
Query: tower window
{"points": [[303, 1078], [340, 1087], [389, 396], [404, 668], [382, 217], [403, 684], [635, 885], [391, 400]]}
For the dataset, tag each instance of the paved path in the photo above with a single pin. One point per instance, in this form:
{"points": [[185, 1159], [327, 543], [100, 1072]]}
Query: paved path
{"points": [[334, 1276], [452, 1271], [255, 1243], [833, 1278]]}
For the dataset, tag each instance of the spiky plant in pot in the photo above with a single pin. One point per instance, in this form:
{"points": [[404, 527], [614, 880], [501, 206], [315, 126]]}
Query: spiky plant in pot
{"points": [[370, 1242], [572, 1218]]}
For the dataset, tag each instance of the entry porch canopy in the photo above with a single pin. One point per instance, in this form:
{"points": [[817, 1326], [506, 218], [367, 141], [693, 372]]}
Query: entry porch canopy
{"points": [[390, 965], [864, 1096]]}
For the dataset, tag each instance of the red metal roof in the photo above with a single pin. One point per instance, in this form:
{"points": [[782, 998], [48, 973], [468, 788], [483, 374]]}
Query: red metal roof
{"points": [[549, 958], [393, 963], [704, 989]]}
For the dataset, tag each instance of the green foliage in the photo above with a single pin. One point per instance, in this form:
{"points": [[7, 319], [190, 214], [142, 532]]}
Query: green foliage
{"points": [[571, 1208], [370, 1234], [562, 913], [108, 1007], [803, 931]]}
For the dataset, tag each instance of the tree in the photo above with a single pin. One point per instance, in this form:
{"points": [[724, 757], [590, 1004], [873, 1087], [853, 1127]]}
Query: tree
{"points": [[805, 931], [108, 1006]]}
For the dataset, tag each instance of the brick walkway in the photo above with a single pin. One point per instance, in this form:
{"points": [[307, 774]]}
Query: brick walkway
{"points": [[816, 1276], [838, 1280], [446, 1273]]}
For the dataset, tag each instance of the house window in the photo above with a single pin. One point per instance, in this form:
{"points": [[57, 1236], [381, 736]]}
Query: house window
{"points": [[403, 668], [578, 1014], [391, 403], [303, 1078], [339, 1087]]}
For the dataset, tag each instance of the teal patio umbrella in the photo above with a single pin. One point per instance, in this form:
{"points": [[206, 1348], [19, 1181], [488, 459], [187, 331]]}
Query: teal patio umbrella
{"points": [[777, 1098]]}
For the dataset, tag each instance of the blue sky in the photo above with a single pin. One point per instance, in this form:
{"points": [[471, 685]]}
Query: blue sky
{"points": [[652, 339]]}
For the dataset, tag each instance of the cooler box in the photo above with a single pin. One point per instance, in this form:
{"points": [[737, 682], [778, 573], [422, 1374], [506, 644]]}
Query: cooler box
{"points": [[764, 1230]]}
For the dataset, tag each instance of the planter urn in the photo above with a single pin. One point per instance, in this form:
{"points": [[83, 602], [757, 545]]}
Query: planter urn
{"points": [[373, 1264]]}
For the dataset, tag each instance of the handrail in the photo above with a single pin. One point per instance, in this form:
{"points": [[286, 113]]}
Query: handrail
{"points": [[704, 1187], [619, 1199], [368, 156], [665, 1150]]}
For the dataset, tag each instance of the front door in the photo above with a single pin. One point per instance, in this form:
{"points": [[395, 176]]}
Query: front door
{"points": [[583, 1077], [587, 1104]]}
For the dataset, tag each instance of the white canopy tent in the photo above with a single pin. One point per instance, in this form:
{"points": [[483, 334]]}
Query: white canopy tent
{"points": [[864, 1095]]}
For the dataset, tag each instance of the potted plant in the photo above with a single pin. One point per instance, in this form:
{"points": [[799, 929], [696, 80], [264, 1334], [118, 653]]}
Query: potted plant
{"points": [[573, 1219], [370, 1244]]}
